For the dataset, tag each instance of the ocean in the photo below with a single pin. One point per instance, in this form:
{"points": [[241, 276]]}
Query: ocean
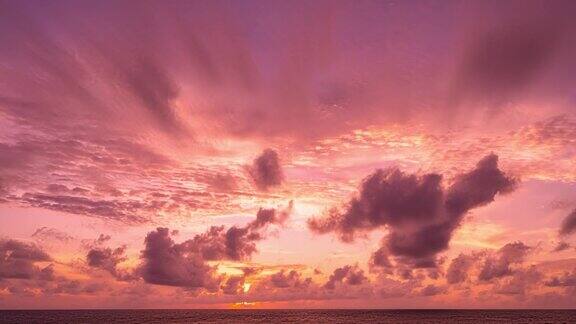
{"points": [[287, 316]]}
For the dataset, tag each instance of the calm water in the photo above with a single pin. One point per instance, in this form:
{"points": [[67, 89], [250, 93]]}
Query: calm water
{"points": [[289, 316]]}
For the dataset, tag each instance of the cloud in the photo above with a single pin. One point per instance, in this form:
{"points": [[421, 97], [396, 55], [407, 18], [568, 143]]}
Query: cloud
{"points": [[151, 84], [390, 288], [109, 209], [108, 259], [520, 282], [500, 265], [269, 216], [185, 264], [233, 285], [46, 234], [418, 212], [568, 279], [170, 264], [503, 61], [266, 171], [236, 243], [223, 182], [561, 246], [350, 275], [568, 225], [289, 279], [17, 260], [432, 290], [459, 267]]}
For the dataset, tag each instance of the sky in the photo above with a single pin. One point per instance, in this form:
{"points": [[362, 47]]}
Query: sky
{"points": [[287, 154]]}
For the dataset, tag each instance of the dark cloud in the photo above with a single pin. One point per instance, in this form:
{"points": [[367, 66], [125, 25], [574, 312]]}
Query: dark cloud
{"points": [[289, 279], [568, 279], [47, 273], [350, 275], [500, 265], [170, 264], [103, 238], [17, 261], [223, 182], [97, 243], [459, 267], [380, 259], [240, 243], [236, 243], [568, 225], [419, 213], [108, 259], [74, 287], [233, 285], [153, 87], [432, 290], [512, 50], [270, 216], [266, 171], [561, 246], [504, 61], [185, 264], [520, 282], [390, 288]]}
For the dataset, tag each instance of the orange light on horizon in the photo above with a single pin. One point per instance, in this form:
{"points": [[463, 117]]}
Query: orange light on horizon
{"points": [[243, 304]]}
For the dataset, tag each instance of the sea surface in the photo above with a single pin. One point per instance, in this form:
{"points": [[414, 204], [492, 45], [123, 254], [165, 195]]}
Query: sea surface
{"points": [[288, 316]]}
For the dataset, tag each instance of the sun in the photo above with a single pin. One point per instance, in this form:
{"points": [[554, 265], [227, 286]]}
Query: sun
{"points": [[246, 287]]}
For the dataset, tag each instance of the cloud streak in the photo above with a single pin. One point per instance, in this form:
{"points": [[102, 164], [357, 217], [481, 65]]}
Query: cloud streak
{"points": [[18, 260]]}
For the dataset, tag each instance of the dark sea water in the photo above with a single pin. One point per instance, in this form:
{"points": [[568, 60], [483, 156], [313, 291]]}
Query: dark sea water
{"points": [[289, 316]]}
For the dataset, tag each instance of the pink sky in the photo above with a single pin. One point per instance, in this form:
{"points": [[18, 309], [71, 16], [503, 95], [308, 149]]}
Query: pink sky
{"points": [[287, 154]]}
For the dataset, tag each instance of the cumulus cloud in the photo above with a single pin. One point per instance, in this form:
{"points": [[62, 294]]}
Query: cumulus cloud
{"points": [[568, 279], [350, 275], [419, 213], [223, 182], [500, 265], [170, 264], [561, 246], [568, 225], [233, 285], [432, 290], [266, 171], [390, 288], [267, 216], [236, 243], [108, 259], [459, 267], [18, 261], [519, 282], [185, 264], [289, 279]]}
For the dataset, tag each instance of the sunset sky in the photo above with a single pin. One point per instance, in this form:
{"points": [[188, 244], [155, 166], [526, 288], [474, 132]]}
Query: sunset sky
{"points": [[287, 154]]}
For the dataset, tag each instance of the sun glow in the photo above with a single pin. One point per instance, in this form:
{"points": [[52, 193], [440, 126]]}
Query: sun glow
{"points": [[246, 287]]}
